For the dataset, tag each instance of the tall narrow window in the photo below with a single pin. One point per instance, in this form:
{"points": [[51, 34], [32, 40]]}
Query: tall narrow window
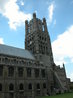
{"points": [[44, 85], [38, 86], [1, 70], [0, 87], [11, 71], [30, 86], [36, 73], [20, 72], [21, 87], [28, 72], [11, 87], [43, 73]]}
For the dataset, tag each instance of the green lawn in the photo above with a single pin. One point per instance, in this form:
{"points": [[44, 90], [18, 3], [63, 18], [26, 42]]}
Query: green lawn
{"points": [[66, 95]]}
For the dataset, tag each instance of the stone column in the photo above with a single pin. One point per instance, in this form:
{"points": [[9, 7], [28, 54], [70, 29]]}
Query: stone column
{"points": [[16, 85], [5, 78], [33, 77]]}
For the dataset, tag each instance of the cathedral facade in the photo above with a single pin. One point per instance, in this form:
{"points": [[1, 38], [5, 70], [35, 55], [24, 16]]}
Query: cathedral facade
{"points": [[31, 72]]}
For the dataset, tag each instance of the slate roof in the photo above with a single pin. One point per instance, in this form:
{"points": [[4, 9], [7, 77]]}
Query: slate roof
{"points": [[13, 51]]}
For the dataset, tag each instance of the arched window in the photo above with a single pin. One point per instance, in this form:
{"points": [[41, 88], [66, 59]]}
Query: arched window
{"points": [[28, 72], [43, 73], [11, 71], [0, 87], [38, 86], [11, 87], [36, 73], [20, 71], [44, 85], [30, 86], [21, 87]]}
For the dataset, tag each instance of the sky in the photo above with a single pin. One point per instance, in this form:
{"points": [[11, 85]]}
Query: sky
{"points": [[59, 17]]}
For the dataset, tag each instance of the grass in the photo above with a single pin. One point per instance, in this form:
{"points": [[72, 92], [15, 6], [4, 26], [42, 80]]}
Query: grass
{"points": [[66, 95]]}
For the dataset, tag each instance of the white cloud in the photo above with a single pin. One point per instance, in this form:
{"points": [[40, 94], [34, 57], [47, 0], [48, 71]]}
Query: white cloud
{"points": [[11, 11], [62, 47], [50, 12], [72, 60], [22, 3], [1, 41]]}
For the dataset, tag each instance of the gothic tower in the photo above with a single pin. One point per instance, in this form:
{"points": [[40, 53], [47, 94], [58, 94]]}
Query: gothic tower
{"points": [[37, 38]]}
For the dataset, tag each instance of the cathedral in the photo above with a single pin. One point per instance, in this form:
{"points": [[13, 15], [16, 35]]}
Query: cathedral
{"points": [[31, 72]]}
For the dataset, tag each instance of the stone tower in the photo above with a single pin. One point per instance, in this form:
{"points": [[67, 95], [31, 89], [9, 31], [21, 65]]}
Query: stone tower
{"points": [[37, 40]]}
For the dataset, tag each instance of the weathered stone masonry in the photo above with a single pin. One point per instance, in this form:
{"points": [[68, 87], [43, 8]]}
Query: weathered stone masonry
{"points": [[31, 72]]}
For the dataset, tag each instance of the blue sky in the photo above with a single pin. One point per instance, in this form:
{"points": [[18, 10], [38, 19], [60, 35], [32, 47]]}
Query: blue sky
{"points": [[59, 17]]}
